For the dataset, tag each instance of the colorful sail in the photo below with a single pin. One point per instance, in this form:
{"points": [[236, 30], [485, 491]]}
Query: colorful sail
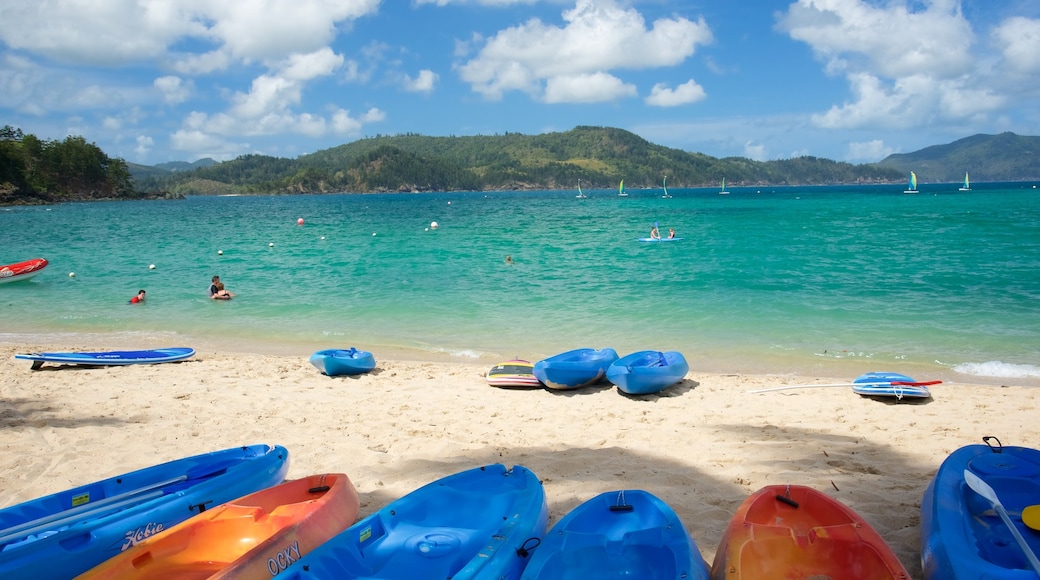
{"points": [[665, 185], [913, 180], [967, 185]]}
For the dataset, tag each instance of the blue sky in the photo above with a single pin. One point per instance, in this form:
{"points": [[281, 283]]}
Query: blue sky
{"points": [[853, 80]]}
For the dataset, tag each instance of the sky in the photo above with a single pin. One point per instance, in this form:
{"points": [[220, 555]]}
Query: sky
{"points": [[153, 81]]}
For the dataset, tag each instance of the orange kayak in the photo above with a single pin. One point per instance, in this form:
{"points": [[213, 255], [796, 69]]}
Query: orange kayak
{"points": [[254, 536], [792, 532]]}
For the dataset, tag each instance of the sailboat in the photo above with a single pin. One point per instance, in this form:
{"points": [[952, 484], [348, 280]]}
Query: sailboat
{"points": [[913, 183], [665, 184], [723, 190], [966, 186], [621, 189], [580, 194]]}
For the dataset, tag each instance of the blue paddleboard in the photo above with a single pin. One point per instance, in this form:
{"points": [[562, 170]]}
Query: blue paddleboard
{"points": [[113, 357]]}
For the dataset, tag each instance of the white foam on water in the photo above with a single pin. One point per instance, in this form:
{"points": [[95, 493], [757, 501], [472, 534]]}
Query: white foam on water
{"points": [[995, 368]]}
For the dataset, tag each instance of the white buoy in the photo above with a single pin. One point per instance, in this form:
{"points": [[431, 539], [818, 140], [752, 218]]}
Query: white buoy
{"points": [[151, 266], [323, 237], [433, 225], [271, 245], [72, 274], [373, 233], [220, 252]]}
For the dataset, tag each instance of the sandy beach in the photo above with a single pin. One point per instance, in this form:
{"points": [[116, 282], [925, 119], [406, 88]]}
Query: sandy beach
{"points": [[702, 445]]}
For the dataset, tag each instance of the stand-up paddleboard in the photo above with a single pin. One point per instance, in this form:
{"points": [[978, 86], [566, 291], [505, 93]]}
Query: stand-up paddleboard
{"points": [[890, 385], [513, 373], [114, 357], [660, 239]]}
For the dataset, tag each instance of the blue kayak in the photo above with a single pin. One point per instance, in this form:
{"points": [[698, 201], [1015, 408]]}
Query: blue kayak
{"points": [[65, 534], [574, 368], [659, 239], [109, 358], [647, 371], [335, 362], [962, 537], [618, 534], [473, 524]]}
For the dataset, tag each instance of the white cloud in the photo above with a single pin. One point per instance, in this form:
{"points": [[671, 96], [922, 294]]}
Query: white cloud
{"points": [[904, 68], [174, 90], [423, 83], [304, 67], [586, 88], [756, 152], [144, 145], [597, 37], [868, 151], [1019, 39], [684, 94]]}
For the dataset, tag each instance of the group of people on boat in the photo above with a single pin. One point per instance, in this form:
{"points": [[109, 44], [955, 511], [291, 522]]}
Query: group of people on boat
{"points": [[656, 235]]}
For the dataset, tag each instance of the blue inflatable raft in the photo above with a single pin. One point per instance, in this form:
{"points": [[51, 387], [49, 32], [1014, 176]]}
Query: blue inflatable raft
{"points": [[65, 534]]}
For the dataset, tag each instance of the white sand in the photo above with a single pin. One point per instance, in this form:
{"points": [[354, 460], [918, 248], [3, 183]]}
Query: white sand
{"points": [[702, 446]]}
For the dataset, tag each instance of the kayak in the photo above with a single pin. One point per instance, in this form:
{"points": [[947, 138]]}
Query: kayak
{"points": [[574, 368], [67, 533], [255, 536], [617, 535], [647, 371], [962, 536], [21, 270], [787, 532], [659, 239], [478, 523], [335, 362]]}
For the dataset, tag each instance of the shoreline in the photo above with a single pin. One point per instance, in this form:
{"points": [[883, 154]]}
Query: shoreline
{"points": [[702, 445]]}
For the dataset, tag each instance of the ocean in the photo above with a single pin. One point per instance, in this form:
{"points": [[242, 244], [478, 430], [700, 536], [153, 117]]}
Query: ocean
{"points": [[835, 280]]}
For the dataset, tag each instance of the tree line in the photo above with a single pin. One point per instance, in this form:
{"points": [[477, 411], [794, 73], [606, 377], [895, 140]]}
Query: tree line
{"points": [[33, 170]]}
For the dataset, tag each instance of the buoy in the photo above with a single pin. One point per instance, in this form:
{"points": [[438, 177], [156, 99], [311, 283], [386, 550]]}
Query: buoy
{"points": [[323, 237], [151, 266], [271, 245], [220, 252], [373, 233], [72, 274], [299, 222], [433, 225]]}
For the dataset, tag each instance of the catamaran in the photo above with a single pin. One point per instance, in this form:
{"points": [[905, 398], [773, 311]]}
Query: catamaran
{"points": [[621, 189], [913, 183], [966, 186], [723, 190], [665, 184], [580, 194]]}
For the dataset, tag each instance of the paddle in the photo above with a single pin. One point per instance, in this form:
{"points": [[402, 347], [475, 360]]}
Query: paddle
{"points": [[982, 488], [877, 384]]}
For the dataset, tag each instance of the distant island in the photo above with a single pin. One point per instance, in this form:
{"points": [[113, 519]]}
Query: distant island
{"points": [[597, 157]]}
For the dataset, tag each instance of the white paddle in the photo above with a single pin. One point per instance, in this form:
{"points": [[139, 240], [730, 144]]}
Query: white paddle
{"points": [[982, 488]]}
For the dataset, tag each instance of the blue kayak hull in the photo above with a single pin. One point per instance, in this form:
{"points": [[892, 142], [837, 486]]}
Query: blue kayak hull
{"points": [[618, 534], [336, 362], [65, 534], [647, 371], [465, 526], [574, 369], [962, 537]]}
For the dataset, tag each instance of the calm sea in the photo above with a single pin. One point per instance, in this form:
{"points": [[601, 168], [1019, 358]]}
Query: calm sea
{"points": [[834, 280]]}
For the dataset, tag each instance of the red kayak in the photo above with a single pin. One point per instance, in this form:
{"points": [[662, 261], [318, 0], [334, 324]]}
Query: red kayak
{"points": [[21, 270]]}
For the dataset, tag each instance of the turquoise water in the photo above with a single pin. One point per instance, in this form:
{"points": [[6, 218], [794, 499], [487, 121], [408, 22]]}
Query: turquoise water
{"points": [[765, 279]]}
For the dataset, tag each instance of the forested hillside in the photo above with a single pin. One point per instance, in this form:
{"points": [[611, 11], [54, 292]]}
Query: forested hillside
{"points": [[37, 171], [598, 156], [1003, 157]]}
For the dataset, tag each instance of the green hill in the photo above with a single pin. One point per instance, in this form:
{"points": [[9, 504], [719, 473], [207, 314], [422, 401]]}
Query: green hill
{"points": [[1003, 157], [598, 156]]}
